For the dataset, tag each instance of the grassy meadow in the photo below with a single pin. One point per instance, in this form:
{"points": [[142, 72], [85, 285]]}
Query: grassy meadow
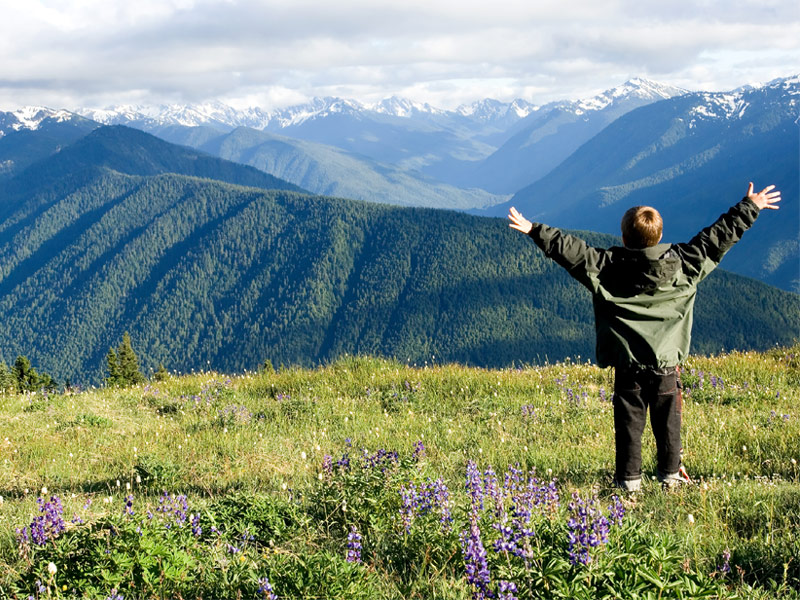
{"points": [[369, 478]]}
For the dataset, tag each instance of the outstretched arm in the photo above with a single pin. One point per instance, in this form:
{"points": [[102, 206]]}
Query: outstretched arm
{"points": [[570, 252], [707, 248]]}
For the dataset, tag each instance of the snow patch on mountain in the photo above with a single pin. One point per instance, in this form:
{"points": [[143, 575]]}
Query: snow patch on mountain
{"points": [[490, 109], [403, 107], [31, 117], [636, 88]]}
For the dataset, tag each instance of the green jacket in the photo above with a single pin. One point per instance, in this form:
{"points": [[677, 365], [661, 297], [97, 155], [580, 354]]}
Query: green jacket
{"points": [[643, 299]]}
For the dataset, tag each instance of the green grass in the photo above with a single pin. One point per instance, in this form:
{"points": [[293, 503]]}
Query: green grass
{"points": [[257, 442]]}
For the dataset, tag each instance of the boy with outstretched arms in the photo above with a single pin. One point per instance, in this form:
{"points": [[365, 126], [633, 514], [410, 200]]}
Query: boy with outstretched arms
{"points": [[643, 295]]}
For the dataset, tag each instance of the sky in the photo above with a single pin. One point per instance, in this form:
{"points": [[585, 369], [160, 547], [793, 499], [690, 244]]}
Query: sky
{"points": [[274, 53]]}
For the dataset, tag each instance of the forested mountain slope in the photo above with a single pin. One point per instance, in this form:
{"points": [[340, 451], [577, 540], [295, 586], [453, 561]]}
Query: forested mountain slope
{"points": [[208, 274]]}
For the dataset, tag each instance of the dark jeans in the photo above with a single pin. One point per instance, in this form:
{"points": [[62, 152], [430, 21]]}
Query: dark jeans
{"points": [[636, 391]]}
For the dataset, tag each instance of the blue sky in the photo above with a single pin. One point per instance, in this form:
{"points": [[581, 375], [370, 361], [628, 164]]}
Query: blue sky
{"points": [[95, 53]]}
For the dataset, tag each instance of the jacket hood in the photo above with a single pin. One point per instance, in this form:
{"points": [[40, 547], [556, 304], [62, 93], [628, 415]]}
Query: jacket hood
{"points": [[638, 271]]}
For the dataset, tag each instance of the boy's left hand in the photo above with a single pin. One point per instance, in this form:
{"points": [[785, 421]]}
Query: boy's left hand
{"points": [[519, 222]]}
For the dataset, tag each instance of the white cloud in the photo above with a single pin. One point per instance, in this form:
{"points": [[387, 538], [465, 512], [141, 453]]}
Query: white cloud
{"points": [[90, 52]]}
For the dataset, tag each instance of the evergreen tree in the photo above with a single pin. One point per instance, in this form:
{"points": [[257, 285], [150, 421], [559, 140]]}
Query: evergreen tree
{"points": [[25, 376], [161, 374], [123, 365], [113, 368], [46, 382], [7, 383]]}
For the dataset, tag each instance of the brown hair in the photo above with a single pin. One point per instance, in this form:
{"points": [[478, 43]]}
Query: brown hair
{"points": [[641, 227]]}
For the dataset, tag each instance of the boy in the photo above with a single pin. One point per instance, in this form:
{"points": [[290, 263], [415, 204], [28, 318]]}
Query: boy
{"points": [[643, 296]]}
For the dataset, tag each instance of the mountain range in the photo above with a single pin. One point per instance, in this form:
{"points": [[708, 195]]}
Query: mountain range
{"points": [[212, 264], [688, 153]]}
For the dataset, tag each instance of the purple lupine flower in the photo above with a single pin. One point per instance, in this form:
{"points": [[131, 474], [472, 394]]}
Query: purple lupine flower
{"points": [[419, 450], [507, 542], [616, 510], [45, 527], [353, 546], [194, 519], [176, 506], [588, 528], [38, 531], [476, 565], [602, 394], [506, 590], [408, 498], [129, 505], [725, 567], [474, 487], [327, 464], [512, 482], [491, 489], [442, 502], [382, 459], [265, 589], [344, 462], [425, 498], [115, 595], [432, 495], [23, 538]]}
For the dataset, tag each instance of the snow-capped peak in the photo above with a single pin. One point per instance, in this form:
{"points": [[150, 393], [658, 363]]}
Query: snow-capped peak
{"points": [[31, 117], [633, 89], [490, 109], [402, 107], [316, 108]]}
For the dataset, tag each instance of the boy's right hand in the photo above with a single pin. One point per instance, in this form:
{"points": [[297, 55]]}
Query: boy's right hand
{"points": [[519, 222], [766, 198]]}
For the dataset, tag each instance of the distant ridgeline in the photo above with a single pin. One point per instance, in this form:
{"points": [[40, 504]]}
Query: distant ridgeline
{"points": [[124, 232]]}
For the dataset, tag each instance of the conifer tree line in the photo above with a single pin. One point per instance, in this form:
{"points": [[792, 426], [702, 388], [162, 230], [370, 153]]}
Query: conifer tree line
{"points": [[121, 362], [23, 377], [123, 365]]}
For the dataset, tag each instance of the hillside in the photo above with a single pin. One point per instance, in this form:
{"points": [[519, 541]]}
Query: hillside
{"points": [[690, 157], [205, 273], [329, 170]]}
